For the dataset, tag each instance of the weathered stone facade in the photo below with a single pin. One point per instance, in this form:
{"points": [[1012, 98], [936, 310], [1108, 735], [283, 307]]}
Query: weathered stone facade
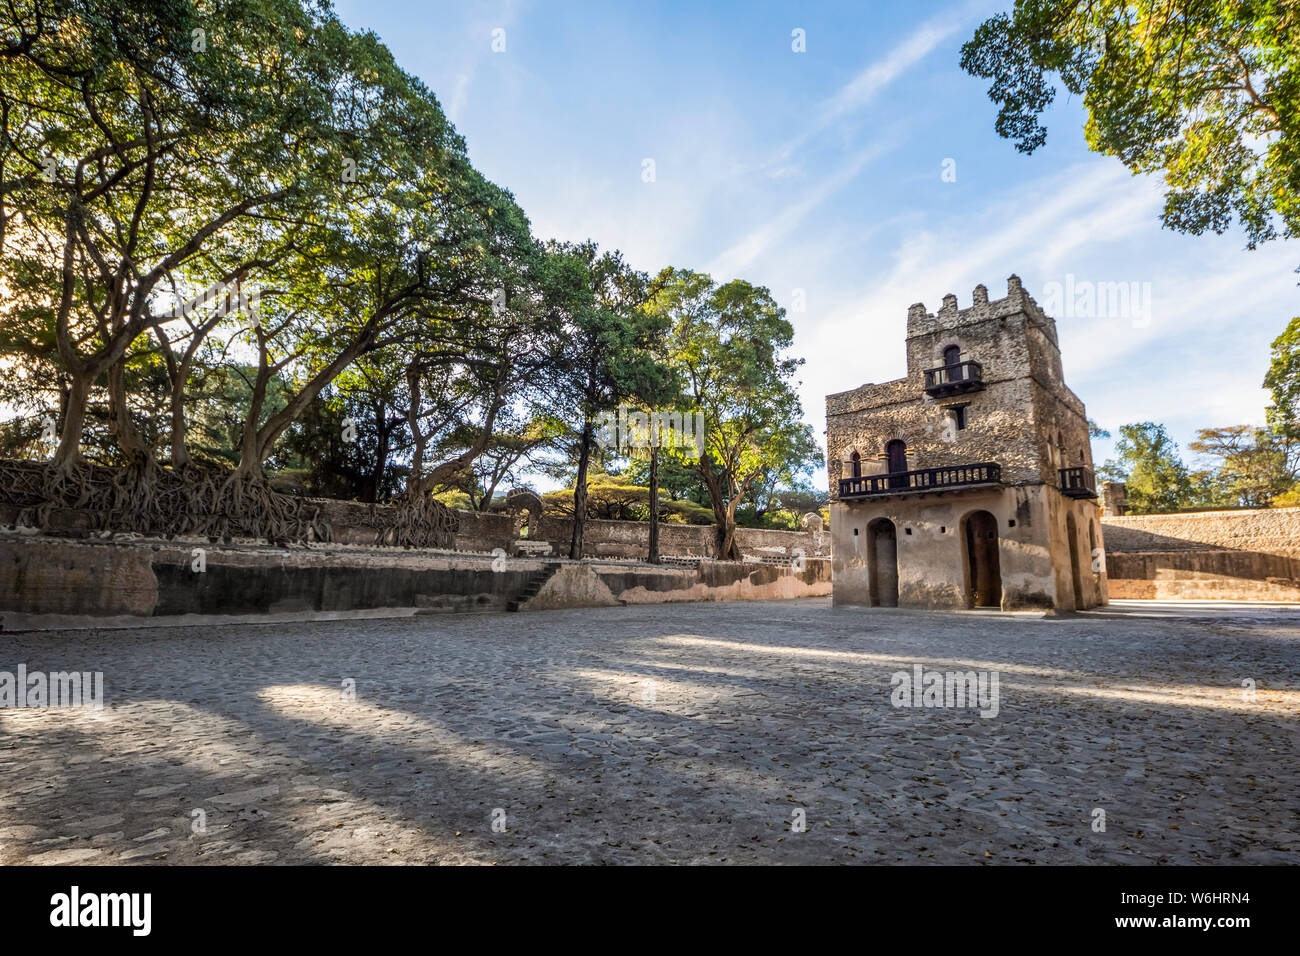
{"points": [[969, 481]]}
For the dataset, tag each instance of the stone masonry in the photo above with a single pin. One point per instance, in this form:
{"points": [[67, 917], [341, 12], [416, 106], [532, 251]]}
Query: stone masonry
{"points": [[984, 387]]}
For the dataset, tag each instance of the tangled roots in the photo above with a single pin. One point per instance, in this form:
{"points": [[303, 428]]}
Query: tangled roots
{"points": [[419, 521], [142, 497]]}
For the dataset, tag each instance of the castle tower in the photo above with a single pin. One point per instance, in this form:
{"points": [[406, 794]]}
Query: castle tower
{"points": [[967, 483]]}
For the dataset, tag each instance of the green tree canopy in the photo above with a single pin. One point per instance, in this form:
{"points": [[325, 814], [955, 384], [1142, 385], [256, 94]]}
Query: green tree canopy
{"points": [[1150, 466], [1206, 92], [727, 343]]}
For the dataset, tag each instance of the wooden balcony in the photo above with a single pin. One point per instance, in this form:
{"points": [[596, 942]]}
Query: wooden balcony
{"points": [[922, 481], [1078, 482], [955, 379]]}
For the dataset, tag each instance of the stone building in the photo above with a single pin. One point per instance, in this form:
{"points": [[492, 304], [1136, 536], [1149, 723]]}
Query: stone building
{"points": [[967, 483]]}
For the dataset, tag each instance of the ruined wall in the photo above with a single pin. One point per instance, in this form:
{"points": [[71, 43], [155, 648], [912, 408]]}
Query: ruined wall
{"points": [[1246, 555], [631, 539], [57, 583], [1269, 530], [355, 523]]}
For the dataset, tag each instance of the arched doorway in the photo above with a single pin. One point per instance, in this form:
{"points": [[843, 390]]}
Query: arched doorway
{"points": [[952, 369], [882, 551], [1076, 576], [896, 461], [983, 569], [856, 461]]}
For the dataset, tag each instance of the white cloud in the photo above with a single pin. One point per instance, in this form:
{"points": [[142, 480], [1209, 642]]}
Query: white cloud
{"points": [[751, 246], [875, 76]]}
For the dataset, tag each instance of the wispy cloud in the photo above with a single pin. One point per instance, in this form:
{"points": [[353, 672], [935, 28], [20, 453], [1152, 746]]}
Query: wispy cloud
{"points": [[755, 243], [880, 73]]}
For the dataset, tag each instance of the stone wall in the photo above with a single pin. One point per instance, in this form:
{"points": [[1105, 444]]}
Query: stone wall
{"points": [[1270, 530], [1245, 555], [46, 582], [355, 523], [631, 539]]}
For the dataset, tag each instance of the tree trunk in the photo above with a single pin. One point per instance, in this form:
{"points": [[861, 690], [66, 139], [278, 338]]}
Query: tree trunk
{"points": [[653, 556], [180, 454], [69, 450], [726, 538], [580, 492], [128, 436], [724, 513], [250, 461]]}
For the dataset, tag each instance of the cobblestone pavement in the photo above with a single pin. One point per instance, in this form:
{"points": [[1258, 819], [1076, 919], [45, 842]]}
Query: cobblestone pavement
{"points": [[665, 734]]}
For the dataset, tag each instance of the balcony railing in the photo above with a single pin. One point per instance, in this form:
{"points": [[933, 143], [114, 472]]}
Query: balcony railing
{"points": [[922, 480], [1078, 482], [954, 379]]}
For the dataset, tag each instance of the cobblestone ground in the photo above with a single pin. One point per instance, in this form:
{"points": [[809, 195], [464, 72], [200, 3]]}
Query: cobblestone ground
{"points": [[664, 734]]}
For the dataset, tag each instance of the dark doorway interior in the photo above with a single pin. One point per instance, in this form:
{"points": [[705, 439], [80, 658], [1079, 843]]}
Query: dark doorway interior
{"points": [[882, 542], [1076, 576], [896, 460], [984, 572]]}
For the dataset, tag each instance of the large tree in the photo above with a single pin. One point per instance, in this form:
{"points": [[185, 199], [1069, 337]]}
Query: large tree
{"points": [[138, 136], [1248, 465], [607, 356], [1206, 92], [726, 342], [1149, 464], [1283, 382]]}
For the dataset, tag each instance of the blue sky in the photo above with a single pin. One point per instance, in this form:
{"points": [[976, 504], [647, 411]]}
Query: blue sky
{"points": [[822, 171]]}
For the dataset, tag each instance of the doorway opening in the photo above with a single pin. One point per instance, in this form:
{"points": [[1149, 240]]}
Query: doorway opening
{"points": [[1076, 576], [983, 568], [882, 550], [896, 462]]}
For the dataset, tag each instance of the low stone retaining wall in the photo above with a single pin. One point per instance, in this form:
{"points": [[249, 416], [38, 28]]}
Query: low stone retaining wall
{"points": [[1241, 555], [50, 582], [355, 523], [1203, 576], [1266, 530]]}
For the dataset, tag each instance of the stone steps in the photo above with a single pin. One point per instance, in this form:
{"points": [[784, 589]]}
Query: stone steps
{"points": [[533, 586]]}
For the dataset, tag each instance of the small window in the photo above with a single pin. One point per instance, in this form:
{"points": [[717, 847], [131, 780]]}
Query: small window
{"points": [[856, 459], [959, 415], [942, 529], [908, 530], [1011, 523], [855, 532]]}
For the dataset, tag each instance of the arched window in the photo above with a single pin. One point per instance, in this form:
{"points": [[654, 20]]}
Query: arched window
{"points": [[856, 459]]}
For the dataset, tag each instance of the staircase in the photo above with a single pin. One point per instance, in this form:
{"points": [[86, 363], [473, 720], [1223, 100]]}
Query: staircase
{"points": [[533, 585]]}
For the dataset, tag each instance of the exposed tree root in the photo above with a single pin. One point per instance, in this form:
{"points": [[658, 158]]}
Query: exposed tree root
{"points": [[145, 498], [420, 521]]}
